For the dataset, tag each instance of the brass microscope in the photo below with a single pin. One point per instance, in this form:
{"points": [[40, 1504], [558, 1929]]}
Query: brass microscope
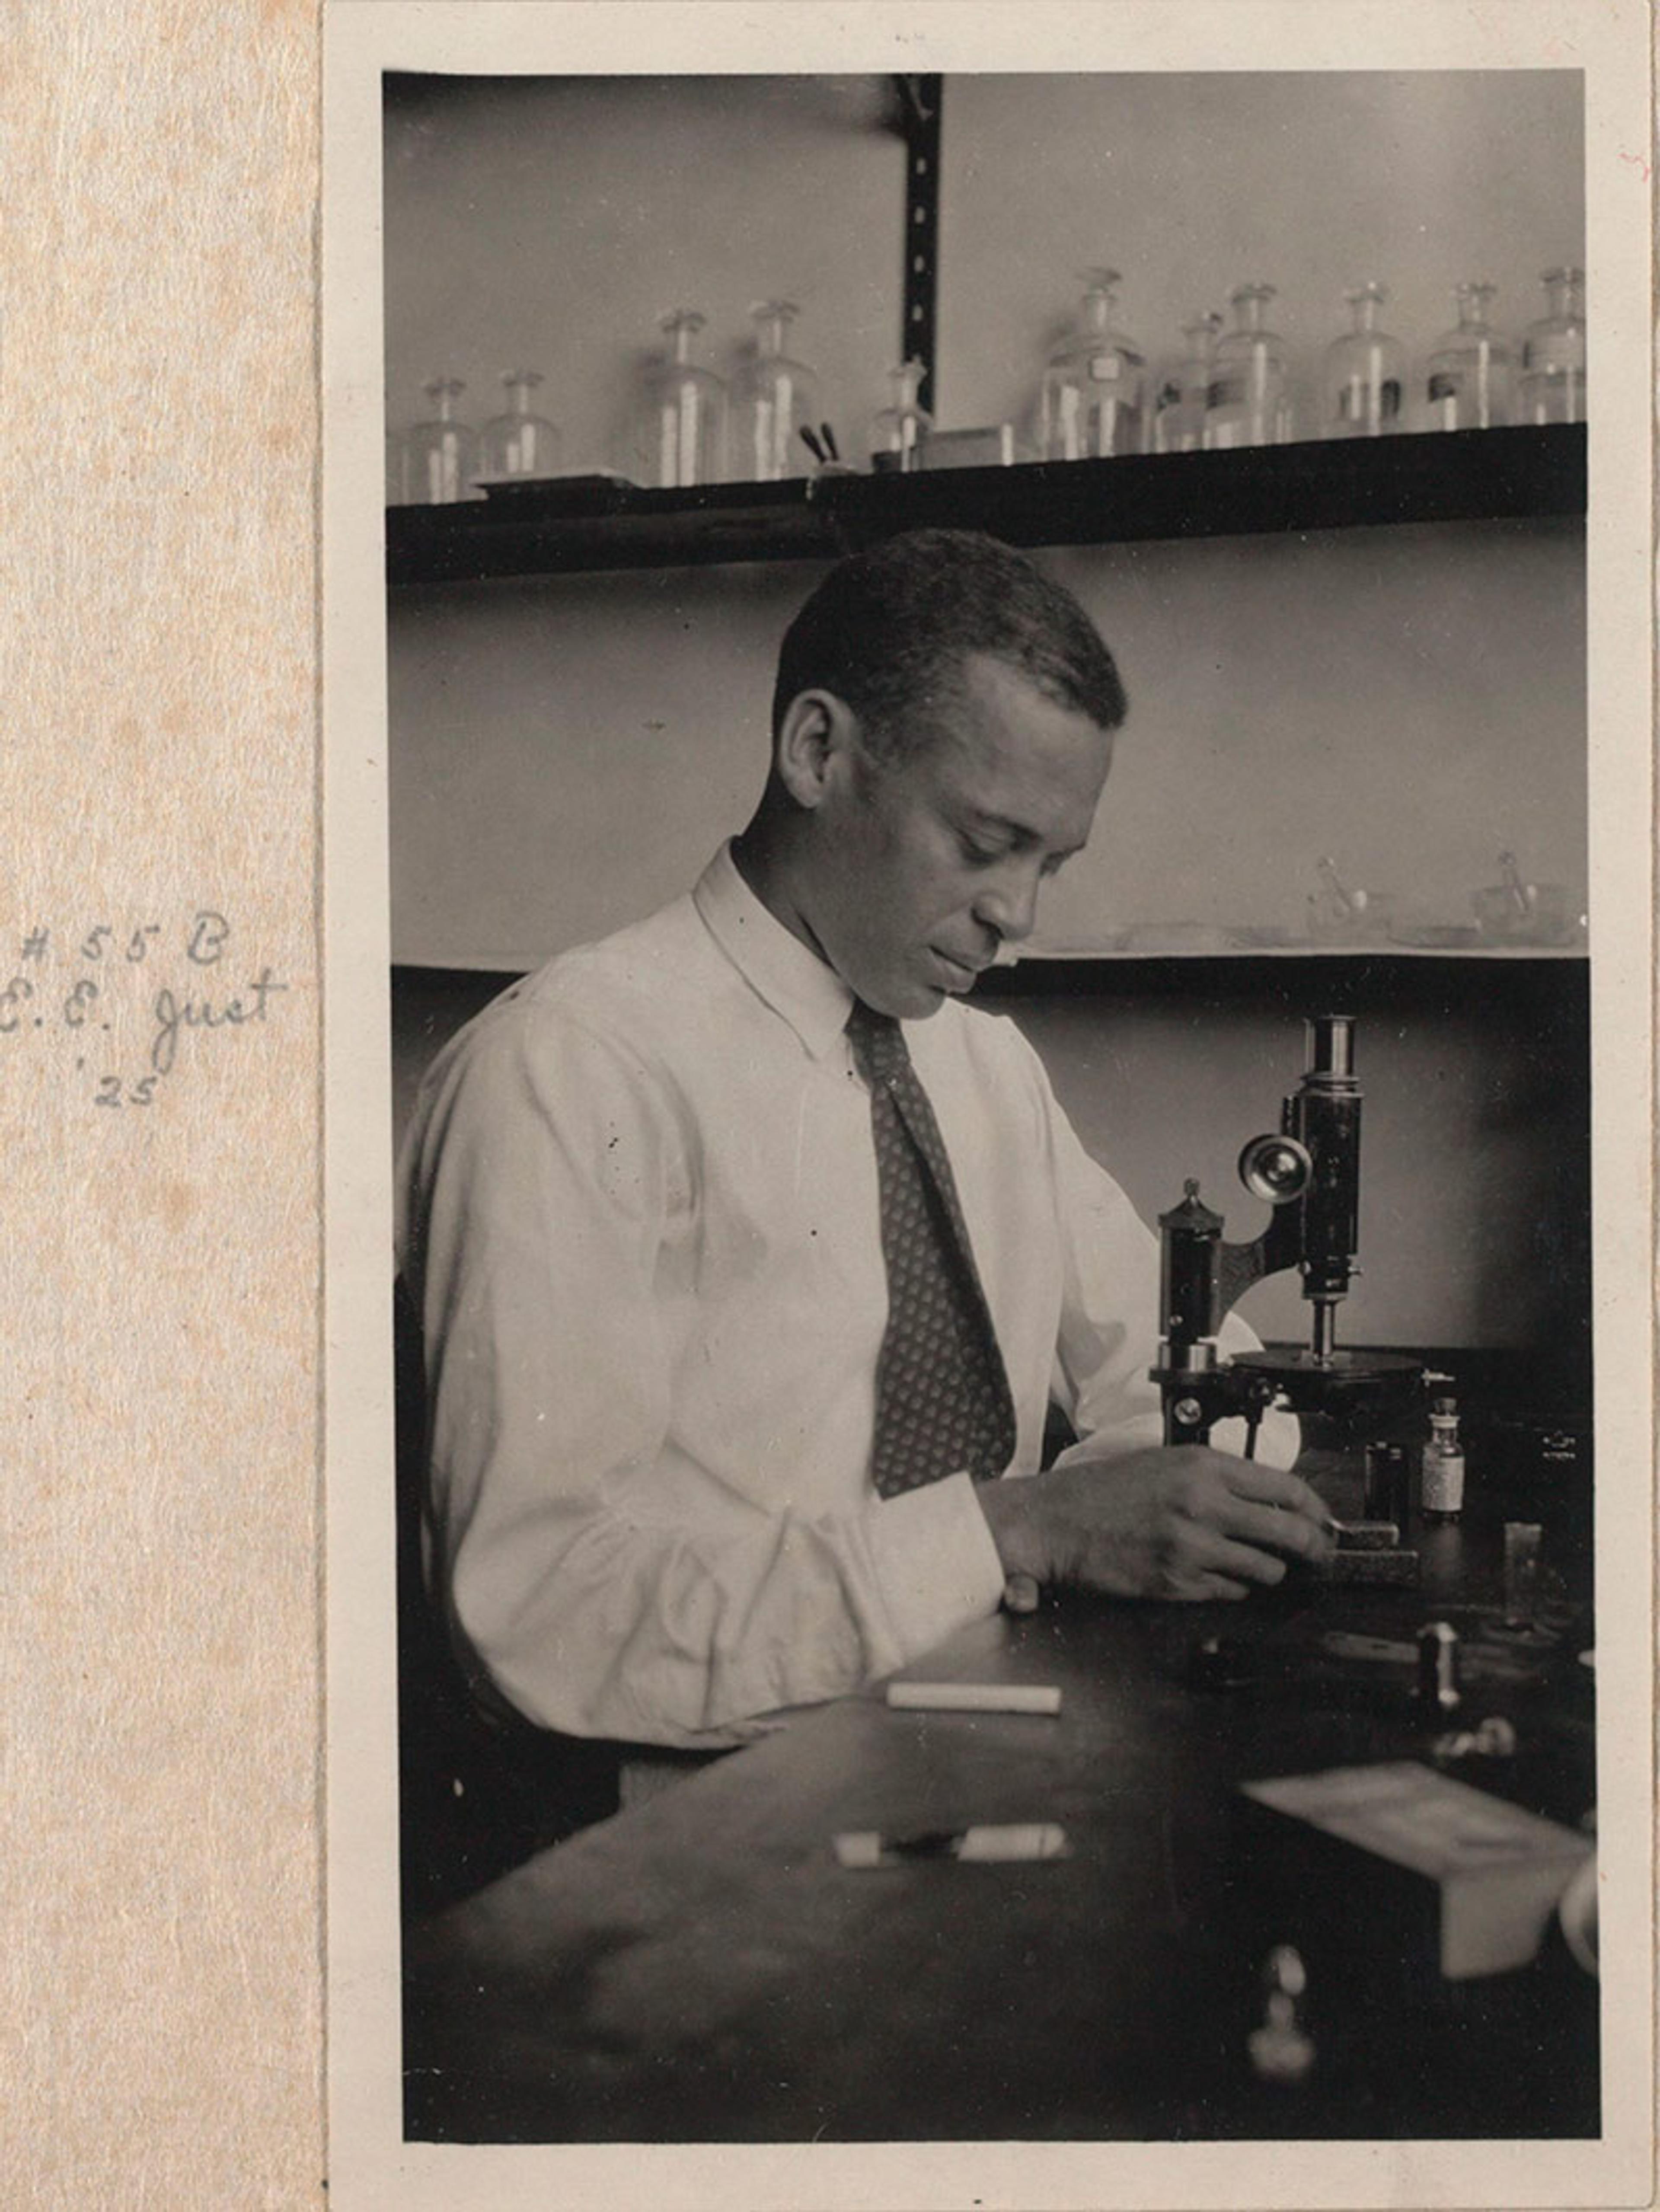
{"points": [[1308, 1171]]}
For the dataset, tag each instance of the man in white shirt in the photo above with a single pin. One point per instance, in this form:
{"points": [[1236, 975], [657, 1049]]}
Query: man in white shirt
{"points": [[640, 1220]]}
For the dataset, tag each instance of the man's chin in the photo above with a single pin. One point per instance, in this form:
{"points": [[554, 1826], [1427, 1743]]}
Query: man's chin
{"points": [[908, 1001]]}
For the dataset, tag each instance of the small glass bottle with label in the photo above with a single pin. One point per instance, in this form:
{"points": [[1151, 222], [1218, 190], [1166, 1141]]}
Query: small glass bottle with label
{"points": [[1092, 403], [899, 431], [1184, 390], [1441, 1497], [519, 443], [1366, 378], [685, 431], [1553, 386], [775, 398], [1468, 376], [442, 452], [1248, 403]]}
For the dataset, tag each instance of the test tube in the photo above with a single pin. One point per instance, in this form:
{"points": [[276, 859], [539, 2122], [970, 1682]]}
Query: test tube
{"points": [[1521, 1571]]}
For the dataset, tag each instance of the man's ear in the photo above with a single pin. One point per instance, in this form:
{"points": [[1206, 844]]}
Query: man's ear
{"points": [[816, 743]]}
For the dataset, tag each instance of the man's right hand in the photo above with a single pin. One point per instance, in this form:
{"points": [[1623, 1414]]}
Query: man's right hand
{"points": [[1175, 1521]]}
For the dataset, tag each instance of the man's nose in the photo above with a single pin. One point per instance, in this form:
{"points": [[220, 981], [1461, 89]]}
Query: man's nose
{"points": [[1009, 905]]}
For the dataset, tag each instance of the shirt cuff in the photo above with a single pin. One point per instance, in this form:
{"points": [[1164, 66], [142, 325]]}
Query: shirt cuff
{"points": [[936, 1564], [1141, 1432]]}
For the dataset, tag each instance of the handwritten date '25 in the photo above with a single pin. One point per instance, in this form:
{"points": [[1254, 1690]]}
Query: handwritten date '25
{"points": [[111, 1093]]}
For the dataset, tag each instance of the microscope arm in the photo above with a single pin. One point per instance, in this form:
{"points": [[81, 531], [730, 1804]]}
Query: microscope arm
{"points": [[1239, 1266]]}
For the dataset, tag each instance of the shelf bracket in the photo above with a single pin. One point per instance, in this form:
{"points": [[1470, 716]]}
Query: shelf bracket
{"points": [[920, 99]]}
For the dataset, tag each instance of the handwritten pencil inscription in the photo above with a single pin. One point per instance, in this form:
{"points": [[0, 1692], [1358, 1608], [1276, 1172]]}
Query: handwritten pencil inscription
{"points": [[137, 1001]]}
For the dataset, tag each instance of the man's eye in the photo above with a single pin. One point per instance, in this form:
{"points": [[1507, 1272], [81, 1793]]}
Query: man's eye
{"points": [[981, 855]]}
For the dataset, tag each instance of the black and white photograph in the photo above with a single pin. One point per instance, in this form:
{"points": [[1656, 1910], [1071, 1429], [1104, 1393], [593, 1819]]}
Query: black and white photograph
{"points": [[989, 879]]}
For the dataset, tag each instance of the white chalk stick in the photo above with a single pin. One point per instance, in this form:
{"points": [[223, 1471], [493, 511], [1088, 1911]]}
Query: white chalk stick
{"points": [[1025, 1840]]}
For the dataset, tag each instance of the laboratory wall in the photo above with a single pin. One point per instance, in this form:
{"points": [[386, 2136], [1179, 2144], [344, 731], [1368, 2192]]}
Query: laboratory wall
{"points": [[1407, 702]]}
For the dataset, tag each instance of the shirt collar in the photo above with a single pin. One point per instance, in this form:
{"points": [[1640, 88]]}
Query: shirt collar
{"points": [[790, 975]]}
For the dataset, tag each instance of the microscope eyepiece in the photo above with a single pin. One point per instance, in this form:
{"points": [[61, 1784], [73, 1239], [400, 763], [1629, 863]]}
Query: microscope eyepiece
{"points": [[1330, 1044]]}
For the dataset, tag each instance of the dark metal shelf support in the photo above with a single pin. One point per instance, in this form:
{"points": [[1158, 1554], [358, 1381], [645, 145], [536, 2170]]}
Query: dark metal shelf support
{"points": [[920, 99]]}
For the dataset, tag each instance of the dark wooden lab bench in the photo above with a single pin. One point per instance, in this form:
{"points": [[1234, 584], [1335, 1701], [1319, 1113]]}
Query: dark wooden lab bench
{"points": [[700, 1968]]}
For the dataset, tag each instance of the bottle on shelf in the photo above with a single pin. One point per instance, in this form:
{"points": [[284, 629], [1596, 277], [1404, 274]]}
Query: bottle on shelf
{"points": [[1093, 402], [1553, 382], [1469, 376], [900, 431], [519, 443], [443, 452], [1249, 403], [1184, 389], [685, 438], [1441, 1495], [774, 400], [398, 469], [1365, 373]]}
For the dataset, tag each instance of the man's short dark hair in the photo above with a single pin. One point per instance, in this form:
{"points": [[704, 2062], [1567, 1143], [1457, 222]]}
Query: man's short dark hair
{"points": [[888, 632]]}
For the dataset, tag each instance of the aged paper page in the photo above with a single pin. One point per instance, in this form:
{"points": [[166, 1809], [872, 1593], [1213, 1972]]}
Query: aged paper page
{"points": [[172, 511], [161, 1105]]}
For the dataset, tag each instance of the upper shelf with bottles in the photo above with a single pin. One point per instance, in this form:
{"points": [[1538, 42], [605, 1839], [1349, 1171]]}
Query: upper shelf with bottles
{"points": [[1117, 448], [600, 523]]}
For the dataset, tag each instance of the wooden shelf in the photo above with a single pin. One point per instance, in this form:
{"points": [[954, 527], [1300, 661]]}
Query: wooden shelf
{"points": [[1363, 482]]}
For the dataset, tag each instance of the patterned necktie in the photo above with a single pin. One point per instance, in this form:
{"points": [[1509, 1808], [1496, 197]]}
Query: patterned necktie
{"points": [[942, 1395]]}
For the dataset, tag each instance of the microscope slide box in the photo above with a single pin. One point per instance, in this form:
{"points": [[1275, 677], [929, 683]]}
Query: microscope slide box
{"points": [[1440, 1874]]}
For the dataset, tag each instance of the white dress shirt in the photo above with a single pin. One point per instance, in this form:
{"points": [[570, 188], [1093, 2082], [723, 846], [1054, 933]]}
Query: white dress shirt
{"points": [[638, 1214]]}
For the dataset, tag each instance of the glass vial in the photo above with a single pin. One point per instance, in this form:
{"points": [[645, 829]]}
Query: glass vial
{"points": [[900, 431], [776, 400], [1387, 1496], [520, 443], [442, 453], [1248, 403], [397, 470], [1470, 372], [1184, 390], [686, 410], [1442, 1496], [1365, 373], [1553, 386], [1093, 401]]}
